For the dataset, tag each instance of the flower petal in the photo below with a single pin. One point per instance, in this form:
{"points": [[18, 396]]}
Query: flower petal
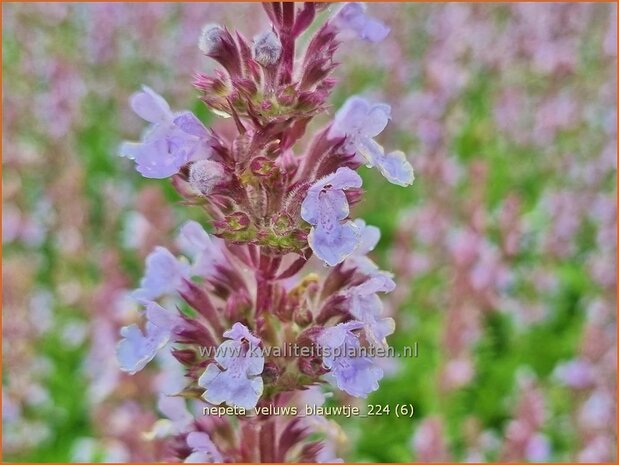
{"points": [[154, 160], [163, 275], [352, 16], [136, 349], [333, 246], [129, 150], [376, 119], [350, 117], [369, 237], [204, 450], [397, 169], [374, 31], [239, 332], [190, 124], [371, 151], [150, 106]]}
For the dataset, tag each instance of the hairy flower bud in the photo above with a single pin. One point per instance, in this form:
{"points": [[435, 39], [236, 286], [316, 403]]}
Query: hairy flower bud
{"points": [[311, 366], [270, 373], [204, 175], [267, 48], [210, 38], [303, 316]]}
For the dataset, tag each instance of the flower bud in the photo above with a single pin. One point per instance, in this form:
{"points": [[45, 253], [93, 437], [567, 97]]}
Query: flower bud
{"points": [[303, 316], [204, 175], [270, 373], [237, 306], [185, 356], [267, 49], [311, 366], [210, 38]]}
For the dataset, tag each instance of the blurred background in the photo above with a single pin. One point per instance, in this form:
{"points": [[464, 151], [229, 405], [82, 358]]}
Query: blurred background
{"points": [[504, 249]]}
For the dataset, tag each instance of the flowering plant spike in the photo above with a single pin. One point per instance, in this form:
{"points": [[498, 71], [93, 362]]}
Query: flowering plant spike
{"points": [[276, 207]]}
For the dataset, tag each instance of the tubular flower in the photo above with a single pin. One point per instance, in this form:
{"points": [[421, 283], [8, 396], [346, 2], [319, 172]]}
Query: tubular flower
{"points": [[353, 17], [137, 348], [235, 377], [325, 207], [359, 122], [349, 371], [172, 140]]}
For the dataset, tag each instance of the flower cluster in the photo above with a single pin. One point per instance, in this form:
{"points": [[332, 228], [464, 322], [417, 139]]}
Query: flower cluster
{"points": [[272, 204]]}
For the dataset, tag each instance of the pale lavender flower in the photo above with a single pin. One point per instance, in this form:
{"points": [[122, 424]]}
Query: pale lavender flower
{"points": [[429, 441], [368, 239], [172, 141], [235, 377], [325, 207], [370, 235], [203, 449], [576, 373], [359, 122], [350, 372], [163, 276], [175, 409], [458, 372], [136, 348], [353, 17], [597, 449], [538, 448], [597, 411], [177, 420], [366, 307], [150, 106], [205, 251]]}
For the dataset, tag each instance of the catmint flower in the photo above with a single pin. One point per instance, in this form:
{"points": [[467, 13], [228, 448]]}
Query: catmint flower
{"points": [[359, 122], [177, 420], [204, 175], [577, 374], [205, 250], [235, 377], [429, 441], [537, 448], [368, 239], [172, 141], [353, 17], [210, 38], [163, 276], [324, 207], [354, 374], [136, 349], [367, 307], [203, 449], [267, 49]]}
